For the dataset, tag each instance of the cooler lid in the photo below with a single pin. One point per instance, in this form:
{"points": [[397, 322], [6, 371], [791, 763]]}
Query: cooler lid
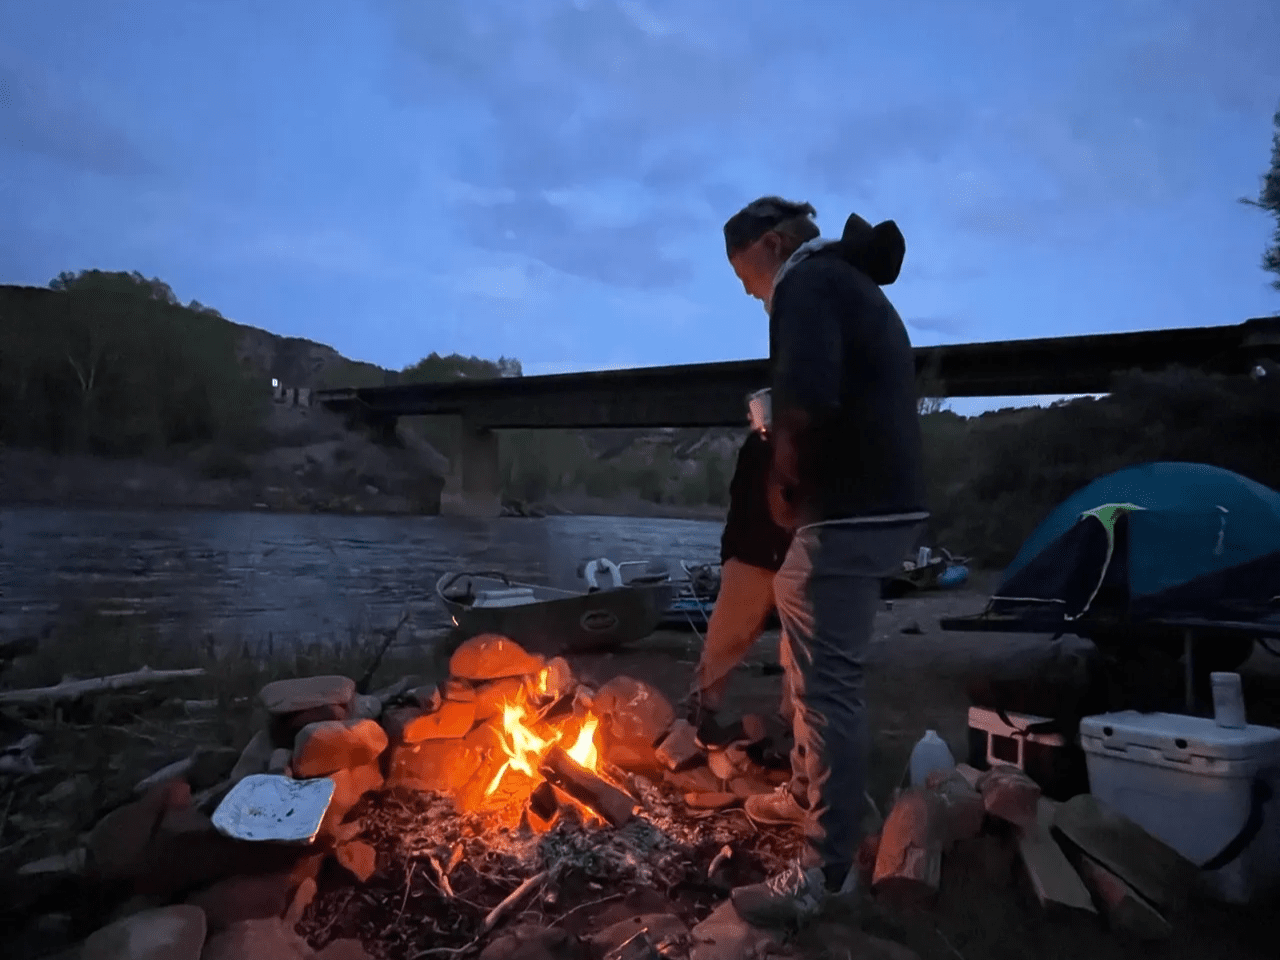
{"points": [[1176, 735]]}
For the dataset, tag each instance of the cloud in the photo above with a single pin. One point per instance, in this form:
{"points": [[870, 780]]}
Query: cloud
{"points": [[41, 116], [576, 99]]}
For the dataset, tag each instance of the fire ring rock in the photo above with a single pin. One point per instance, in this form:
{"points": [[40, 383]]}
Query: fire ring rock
{"points": [[638, 713], [306, 693], [492, 657], [331, 745]]}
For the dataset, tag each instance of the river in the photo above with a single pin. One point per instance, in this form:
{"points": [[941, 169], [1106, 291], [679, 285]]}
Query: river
{"points": [[250, 577]]}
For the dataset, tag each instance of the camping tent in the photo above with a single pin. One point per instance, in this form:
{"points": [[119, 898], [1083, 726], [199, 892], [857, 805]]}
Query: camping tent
{"points": [[1156, 541]]}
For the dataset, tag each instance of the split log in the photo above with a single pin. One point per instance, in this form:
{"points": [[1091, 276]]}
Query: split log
{"points": [[1010, 794], [1125, 909], [70, 690], [909, 859], [963, 810], [679, 749], [577, 781], [1155, 870], [1055, 882]]}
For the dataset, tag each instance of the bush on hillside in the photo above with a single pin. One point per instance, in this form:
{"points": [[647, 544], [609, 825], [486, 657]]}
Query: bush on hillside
{"points": [[111, 363]]}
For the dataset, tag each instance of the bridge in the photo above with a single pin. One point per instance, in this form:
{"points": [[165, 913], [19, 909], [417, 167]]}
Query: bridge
{"points": [[713, 394]]}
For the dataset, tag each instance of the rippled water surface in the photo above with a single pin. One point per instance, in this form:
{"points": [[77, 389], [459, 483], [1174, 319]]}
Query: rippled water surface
{"points": [[303, 577]]}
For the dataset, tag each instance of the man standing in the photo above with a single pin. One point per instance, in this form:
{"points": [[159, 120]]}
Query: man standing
{"points": [[847, 477], [752, 548]]}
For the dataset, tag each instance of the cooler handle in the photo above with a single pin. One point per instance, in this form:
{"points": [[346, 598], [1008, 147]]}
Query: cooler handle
{"points": [[1259, 795]]}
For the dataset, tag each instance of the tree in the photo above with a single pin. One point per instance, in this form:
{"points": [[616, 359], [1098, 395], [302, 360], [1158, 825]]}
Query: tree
{"points": [[1269, 200]]}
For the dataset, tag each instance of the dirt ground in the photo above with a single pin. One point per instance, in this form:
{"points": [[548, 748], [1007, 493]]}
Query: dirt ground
{"points": [[917, 681]]}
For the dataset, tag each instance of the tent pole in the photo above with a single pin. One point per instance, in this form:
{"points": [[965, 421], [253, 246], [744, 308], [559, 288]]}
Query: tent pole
{"points": [[1188, 671]]}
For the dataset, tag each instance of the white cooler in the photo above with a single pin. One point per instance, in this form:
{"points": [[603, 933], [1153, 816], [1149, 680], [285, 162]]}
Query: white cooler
{"points": [[1191, 783]]}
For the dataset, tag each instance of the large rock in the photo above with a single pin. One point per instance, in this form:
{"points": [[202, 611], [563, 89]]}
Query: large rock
{"points": [[257, 940], [186, 852], [359, 858], [451, 721], [164, 933], [435, 766], [307, 693], [284, 728], [531, 942], [240, 898], [329, 746], [118, 842], [724, 935], [491, 657], [658, 927], [255, 758], [635, 712], [492, 698], [349, 787], [343, 950]]}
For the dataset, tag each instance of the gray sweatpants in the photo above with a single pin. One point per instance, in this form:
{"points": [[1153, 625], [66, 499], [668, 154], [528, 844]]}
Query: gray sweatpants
{"points": [[827, 594]]}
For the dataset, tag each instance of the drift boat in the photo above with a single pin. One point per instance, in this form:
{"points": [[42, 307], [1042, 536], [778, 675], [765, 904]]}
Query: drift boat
{"points": [[553, 620]]}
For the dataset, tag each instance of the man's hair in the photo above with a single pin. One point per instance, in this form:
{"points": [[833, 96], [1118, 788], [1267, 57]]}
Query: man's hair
{"points": [[791, 220]]}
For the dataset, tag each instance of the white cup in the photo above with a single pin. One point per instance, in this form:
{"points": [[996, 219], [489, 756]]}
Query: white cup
{"points": [[1228, 700], [760, 410]]}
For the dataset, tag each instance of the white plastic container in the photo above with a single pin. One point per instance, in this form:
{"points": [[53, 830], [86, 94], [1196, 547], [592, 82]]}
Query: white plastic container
{"points": [[1228, 700], [929, 754], [1189, 782]]}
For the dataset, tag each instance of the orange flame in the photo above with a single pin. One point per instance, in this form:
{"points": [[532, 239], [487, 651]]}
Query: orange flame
{"points": [[525, 748], [583, 752]]}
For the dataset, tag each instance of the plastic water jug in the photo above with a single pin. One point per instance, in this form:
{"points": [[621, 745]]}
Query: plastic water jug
{"points": [[929, 754], [1228, 700]]}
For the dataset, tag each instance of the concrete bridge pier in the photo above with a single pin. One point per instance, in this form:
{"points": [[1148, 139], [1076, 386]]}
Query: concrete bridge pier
{"points": [[475, 489]]}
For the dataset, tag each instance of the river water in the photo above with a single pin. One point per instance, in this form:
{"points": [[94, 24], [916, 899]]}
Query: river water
{"points": [[250, 577]]}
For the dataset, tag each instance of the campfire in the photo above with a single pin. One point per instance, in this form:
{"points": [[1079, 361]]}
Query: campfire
{"points": [[513, 788]]}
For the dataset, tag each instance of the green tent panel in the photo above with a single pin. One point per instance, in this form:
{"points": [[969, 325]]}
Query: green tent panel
{"points": [[1152, 540]]}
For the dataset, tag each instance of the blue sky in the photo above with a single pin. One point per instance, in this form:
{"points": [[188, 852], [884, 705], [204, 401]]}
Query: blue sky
{"points": [[547, 179]]}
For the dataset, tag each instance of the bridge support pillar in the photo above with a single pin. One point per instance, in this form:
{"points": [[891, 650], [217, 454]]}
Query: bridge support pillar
{"points": [[475, 489]]}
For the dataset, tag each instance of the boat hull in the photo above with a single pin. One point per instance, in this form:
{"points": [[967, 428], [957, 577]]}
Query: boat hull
{"points": [[557, 622]]}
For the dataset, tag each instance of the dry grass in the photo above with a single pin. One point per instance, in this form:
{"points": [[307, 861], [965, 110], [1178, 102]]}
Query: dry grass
{"points": [[94, 753]]}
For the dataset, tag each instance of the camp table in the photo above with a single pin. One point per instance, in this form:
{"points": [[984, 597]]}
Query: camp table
{"points": [[1262, 630]]}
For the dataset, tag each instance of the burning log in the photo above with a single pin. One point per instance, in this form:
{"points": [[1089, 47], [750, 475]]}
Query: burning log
{"points": [[544, 802], [577, 781]]}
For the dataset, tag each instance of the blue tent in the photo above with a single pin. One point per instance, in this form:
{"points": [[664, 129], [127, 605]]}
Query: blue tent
{"points": [[1160, 540]]}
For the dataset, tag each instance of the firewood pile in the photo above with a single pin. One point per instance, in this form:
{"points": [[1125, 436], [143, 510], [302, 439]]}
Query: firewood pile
{"points": [[1077, 858], [508, 797]]}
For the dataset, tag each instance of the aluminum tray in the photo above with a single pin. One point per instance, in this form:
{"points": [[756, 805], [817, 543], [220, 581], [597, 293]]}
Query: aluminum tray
{"points": [[265, 807]]}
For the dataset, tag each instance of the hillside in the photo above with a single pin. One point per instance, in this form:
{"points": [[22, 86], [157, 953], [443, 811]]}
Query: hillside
{"points": [[112, 391]]}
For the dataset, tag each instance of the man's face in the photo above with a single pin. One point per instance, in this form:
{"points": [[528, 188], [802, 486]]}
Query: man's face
{"points": [[757, 265]]}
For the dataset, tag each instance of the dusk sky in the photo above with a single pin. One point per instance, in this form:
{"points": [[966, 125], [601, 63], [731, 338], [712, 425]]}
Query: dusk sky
{"points": [[547, 179]]}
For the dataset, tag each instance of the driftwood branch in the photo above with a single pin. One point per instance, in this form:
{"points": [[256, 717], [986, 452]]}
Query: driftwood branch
{"points": [[69, 690]]}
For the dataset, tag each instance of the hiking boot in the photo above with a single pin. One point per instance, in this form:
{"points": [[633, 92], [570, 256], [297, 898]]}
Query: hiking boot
{"points": [[778, 808], [792, 897]]}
